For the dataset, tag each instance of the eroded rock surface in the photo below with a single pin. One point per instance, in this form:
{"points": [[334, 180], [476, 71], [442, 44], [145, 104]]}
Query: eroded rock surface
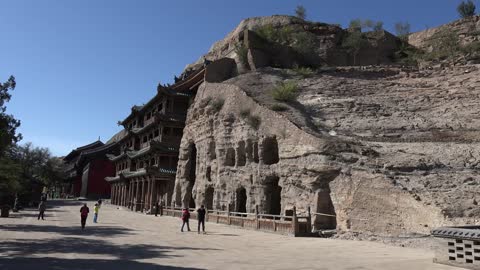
{"points": [[384, 150]]}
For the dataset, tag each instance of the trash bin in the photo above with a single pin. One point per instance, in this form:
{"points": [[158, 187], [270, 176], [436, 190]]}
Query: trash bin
{"points": [[5, 211]]}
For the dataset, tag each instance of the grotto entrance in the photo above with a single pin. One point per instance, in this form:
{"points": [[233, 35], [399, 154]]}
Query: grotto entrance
{"points": [[209, 197], [241, 202], [273, 194], [324, 205]]}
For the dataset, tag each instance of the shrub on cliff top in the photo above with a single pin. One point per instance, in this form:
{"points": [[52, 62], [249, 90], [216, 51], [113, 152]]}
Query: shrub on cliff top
{"points": [[466, 9], [242, 51], [285, 91], [301, 12]]}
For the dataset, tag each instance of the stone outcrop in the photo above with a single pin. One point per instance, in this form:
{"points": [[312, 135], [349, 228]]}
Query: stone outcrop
{"points": [[383, 150], [381, 45], [467, 29]]}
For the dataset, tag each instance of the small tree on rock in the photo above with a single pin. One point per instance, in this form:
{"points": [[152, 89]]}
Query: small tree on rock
{"points": [[402, 29], [466, 9], [301, 12], [354, 42]]}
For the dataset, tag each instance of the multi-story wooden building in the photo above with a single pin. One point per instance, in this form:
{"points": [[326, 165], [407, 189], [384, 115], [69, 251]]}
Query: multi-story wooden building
{"points": [[146, 166], [86, 169]]}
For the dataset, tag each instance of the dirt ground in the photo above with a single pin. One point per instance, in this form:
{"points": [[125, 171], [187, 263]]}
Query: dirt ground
{"points": [[126, 240]]}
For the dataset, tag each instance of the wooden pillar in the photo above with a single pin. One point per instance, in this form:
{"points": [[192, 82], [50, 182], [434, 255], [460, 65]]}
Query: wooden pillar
{"points": [[142, 196], [152, 193], [112, 193], [124, 193], [130, 196], [294, 222], [116, 194], [147, 195], [137, 195]]}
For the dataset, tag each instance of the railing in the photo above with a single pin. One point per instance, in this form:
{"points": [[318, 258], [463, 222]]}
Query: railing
{"points": [[290, 225]]}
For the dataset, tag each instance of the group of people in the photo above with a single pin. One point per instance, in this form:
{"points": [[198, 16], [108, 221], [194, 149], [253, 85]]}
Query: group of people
{"points": [[84, 211], [201, 212]]}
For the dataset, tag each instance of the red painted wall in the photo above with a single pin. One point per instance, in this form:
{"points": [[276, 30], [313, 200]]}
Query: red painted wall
{"points": [[77, 185], [97, 186]]}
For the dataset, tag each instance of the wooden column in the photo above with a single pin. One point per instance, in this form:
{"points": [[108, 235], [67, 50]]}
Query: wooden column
{"points": [[130, 195], [112, 193], [152, 193], [142, 204], [137, 195], [124, 193], [294, 222], [115, 193], [147, 193]]}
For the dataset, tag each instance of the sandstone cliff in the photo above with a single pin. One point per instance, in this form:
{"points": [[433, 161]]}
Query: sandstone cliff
{"points": [[387, 150]]}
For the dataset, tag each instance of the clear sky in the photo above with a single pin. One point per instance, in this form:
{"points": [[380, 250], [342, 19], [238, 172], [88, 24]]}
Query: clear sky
{"points": [[81, 65]]}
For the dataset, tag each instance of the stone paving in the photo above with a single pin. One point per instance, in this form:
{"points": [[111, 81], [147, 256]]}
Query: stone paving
{"points": [[126, 240]]}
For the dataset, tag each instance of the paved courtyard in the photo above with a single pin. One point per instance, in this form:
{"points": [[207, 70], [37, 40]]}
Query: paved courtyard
{"points": [[126, 240]]}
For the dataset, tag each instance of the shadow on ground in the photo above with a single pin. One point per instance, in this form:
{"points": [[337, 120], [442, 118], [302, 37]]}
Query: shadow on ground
{"points": [[73, 245], [81, 264], [105, 231]]}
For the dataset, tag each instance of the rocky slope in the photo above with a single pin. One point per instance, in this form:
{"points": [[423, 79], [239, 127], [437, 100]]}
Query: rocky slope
{"points": [[387, 150]]}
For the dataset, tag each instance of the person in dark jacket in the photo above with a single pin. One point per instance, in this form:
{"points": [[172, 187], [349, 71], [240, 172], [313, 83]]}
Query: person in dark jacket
{"points": [[84, 214], [41, 210], [157, 208], [185, 218], [201, 217]]}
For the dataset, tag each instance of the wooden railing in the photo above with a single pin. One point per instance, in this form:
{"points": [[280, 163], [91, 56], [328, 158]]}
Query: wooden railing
{"points": [[289, 225]]}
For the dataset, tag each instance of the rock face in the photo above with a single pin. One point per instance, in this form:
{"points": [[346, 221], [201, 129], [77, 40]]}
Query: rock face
{"points": [[385, 150], [327, 39], [467, 29]]}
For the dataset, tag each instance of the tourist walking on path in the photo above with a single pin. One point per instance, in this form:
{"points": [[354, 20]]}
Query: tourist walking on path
{"points": [[84, 214], [41, 210], [185, 218], [201, 217], [157, 208], [95, 212]]}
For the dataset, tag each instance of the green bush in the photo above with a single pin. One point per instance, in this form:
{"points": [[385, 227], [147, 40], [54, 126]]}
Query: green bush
{"points": [[300, 40], [353, 43], [285, 91], [445, 44], [472, 48], [466, 9], [402, 29], [217, 104], [278, 108], [242, 52], [303, 71], [301, 12], [254, 121]]}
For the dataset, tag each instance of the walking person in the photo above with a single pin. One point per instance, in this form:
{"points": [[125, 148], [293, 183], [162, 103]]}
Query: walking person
{"points": [[185, 218], [157, 208], [201, 212], [96, 208], [84, 214], [41, 210]]}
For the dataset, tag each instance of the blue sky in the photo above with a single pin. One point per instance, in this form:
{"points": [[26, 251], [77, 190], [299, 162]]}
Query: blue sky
{"points": [[81, 65]]}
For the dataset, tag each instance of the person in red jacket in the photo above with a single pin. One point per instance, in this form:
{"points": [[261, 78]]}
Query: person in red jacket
{"points": [[185, 218], [84, 214]]}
